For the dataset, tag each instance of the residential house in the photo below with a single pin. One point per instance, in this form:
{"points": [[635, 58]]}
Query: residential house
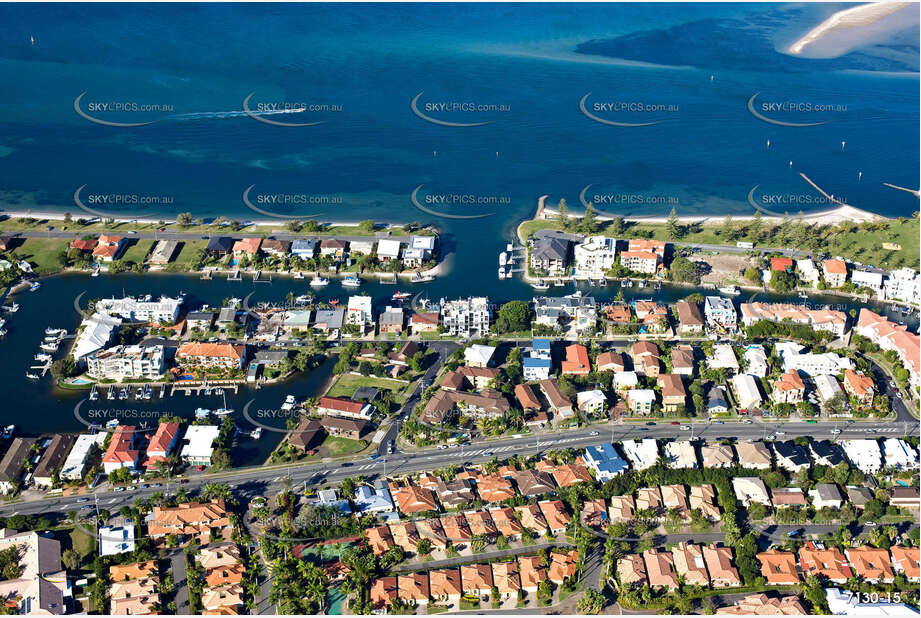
{"points": [[559, 403], [200, 444], [631, 570], [748, 395], [753, 455], [621, 509], [555, 515], [534, 483], [46, 471], [683, 360], [604, 461], [197, 354], [788, 388], [641, 400], [778, 568], [720, 314], [645, 356], [688, 560], [826, 563], [591, 402], [690, 319], [750, 490], [206, 521], [424, 322], [871, 564], [660, 569], [859, 386], [674, 397], [576, 362], [834, 272], [122, 452]]}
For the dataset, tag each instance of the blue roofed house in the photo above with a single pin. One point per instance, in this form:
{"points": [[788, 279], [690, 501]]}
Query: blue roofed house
{"points": [[604, 461], [540, 348], [373, 500], [535, 368], [304, 248]]}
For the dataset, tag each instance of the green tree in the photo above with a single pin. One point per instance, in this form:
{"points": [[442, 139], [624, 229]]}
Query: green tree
{"points": [[513, 316], [592, 602], [672, 226]]}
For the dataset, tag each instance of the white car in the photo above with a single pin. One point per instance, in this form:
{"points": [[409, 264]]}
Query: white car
{"points": [[780, 433], [441, 447], [685, 427], [835, 432], [594, 433]]}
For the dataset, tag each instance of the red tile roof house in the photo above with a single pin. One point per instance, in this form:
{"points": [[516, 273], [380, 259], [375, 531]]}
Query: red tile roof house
{"points": [[247, 246], [336, 406], [108, 247], [871, 564], [782, 264], [86, 246], [121, 452], [162, 444], [576, 362]]}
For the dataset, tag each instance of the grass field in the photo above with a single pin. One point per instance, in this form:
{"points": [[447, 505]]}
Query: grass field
{"points": [[347, 383], [138, 251], [42, 253], [340, 447], [82, 543], [19, 225]]}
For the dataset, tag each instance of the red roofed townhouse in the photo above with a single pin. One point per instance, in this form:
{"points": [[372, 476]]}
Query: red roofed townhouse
{"points": [[906, 560], [859, 385], [871, 564], [121, 452], [162, 444], [199, 354]]}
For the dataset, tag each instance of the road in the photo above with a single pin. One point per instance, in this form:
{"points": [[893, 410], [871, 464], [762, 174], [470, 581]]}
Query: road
{"points": [[442, 350], [280, 234], [180, 582], [259, 481]]}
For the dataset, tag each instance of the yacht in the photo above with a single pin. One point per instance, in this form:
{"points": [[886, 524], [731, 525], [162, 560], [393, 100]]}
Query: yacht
{"points": [[542, 285], [401, 295], [95, 273], [225, 410], [303, 299], [11, 308], [55, 331], [139, 393], [289, 403], [558, 282], [298, 275], [256, 433], [319, 281], [351, 282], [112, 424], [32, 376], [35, 285], [8, 432], [123, 393], [730, 290], [201, 413], [802, 294], [641, 284], [94, 394], [49, 347], [41, 356]]}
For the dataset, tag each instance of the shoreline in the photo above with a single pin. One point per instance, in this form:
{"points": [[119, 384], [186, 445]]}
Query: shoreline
{"points": [[859, 16], [60, 216], [841, 214]]}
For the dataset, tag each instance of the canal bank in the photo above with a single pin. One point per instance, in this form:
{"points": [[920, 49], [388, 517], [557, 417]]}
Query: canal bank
{"points": [[38, 407]]}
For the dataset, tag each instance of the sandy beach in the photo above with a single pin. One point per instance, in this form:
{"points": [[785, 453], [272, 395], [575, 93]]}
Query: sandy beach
{"points": [[855, 18], [826, 217], [273, 223]]}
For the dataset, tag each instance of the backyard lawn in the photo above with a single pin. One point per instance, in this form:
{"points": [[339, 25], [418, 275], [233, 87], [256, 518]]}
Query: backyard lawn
{"points": [[335, 446], [347, 383]]}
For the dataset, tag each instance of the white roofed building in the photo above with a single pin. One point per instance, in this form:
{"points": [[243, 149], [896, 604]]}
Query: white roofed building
{"points": [[200, 445], [163, 310], [899, 454], [642, 454], [863, 455]]}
